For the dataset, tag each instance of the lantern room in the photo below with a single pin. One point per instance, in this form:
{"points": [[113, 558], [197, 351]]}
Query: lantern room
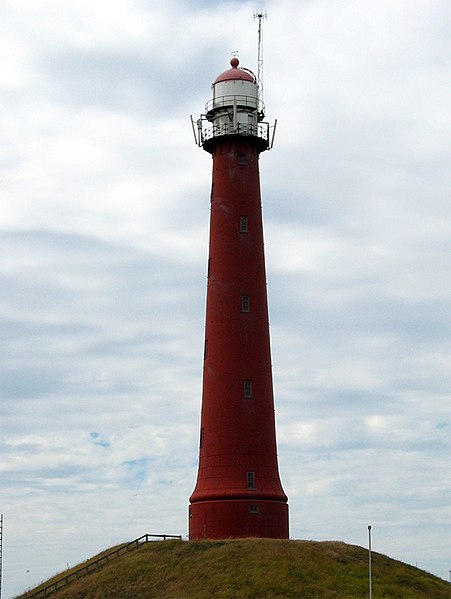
{"points": [[235, 109]]}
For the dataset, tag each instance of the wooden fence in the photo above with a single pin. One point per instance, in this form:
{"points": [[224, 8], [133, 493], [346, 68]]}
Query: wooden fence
{"points": [[92, 566]]}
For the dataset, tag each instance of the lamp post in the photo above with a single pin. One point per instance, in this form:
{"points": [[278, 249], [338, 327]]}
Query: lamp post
{"points": [[369, 562]]}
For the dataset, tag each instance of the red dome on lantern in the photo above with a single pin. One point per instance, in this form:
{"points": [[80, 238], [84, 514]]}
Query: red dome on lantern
{"points": [[235, 73]]}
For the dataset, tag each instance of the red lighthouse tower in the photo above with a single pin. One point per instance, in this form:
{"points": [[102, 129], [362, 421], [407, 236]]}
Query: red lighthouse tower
{"points": [[238, 491]]}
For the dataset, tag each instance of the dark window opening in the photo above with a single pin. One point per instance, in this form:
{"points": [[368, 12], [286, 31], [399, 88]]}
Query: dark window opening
{"points": [[250, 476], [247, 388], [208, 267], [242, 159], [206, 349], [245, 303], [253, 509], [244, 224], [201, 442]]}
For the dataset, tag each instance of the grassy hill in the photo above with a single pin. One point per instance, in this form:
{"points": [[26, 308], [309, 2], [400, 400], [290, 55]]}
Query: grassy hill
{"points": [[260, 568]]}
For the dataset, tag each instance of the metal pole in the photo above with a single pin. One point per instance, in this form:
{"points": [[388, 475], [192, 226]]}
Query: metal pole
{"points": [[1, 553], [260, 15], [369, 562]]}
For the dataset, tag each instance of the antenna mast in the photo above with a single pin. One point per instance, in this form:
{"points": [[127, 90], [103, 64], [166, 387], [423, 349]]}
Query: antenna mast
{"points": [[260, 15]]}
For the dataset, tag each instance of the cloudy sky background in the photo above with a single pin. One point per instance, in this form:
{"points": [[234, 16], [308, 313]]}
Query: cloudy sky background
{"points": [[103, 239]]}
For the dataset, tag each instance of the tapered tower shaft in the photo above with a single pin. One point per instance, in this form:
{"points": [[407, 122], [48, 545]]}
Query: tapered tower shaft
{"points": [[238, 491]]}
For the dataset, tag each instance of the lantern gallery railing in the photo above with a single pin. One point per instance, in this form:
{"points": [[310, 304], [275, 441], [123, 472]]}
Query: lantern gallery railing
{"points": [[261, 130], [204, 131]]}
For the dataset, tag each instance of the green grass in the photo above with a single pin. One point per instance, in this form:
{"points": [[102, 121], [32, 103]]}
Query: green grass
{"points": [[254, 568]]}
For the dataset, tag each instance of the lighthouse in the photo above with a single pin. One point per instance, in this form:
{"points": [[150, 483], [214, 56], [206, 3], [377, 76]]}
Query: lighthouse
{"points": [[238, 492]]}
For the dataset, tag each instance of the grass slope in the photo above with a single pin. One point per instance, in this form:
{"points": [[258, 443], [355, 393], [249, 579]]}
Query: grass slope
{"points": [[259, 568]]}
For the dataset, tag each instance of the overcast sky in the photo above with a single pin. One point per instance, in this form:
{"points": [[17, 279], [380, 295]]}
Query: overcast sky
{"points": [[104, 232]]}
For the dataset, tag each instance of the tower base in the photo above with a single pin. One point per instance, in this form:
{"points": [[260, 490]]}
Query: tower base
{"points": [[238, 518]]}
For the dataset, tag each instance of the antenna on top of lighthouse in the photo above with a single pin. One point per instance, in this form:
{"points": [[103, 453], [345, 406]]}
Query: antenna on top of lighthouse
{"points": [[260, 15]]}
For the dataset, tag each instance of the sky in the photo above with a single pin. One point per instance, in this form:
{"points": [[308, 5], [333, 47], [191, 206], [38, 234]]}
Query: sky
{"points": [[104, 242]]}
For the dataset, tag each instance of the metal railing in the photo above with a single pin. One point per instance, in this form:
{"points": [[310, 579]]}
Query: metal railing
{"points": [[208, 132], [235, 100], [92, 566]]}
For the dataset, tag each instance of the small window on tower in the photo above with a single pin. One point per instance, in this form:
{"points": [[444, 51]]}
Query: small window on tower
{"points": [[208, 267], [245, 303], [244, 224], [242, 159], [201, 443], [206, 349], [250, 476], [247, 388], [253, 509]]}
